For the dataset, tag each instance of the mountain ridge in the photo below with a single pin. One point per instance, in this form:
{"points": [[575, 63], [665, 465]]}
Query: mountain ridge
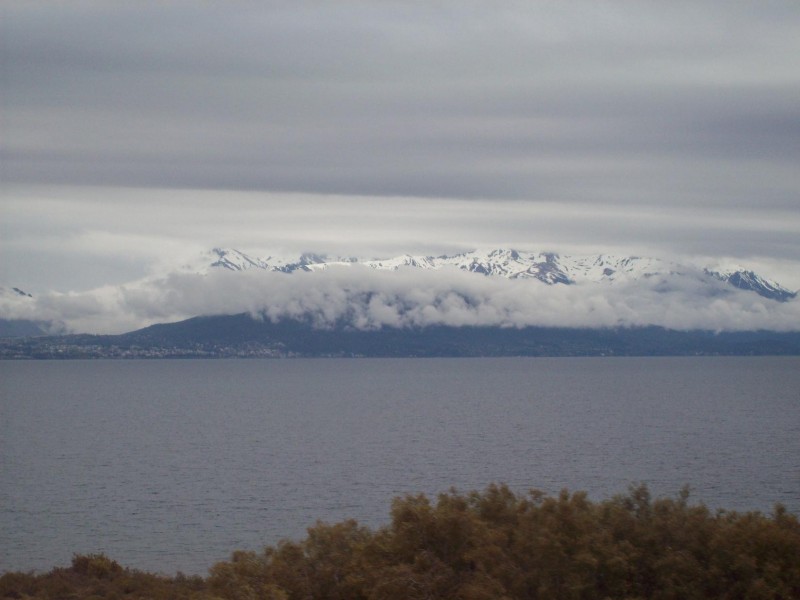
{"points": [[547, 267], [242, 336], [481, 288]]}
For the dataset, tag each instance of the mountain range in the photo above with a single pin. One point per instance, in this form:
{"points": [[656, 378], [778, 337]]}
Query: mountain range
{"points": [[465, 304], [547, 267]]}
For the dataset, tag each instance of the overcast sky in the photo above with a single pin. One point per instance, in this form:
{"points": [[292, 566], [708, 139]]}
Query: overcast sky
{"points": [[135, 132]]}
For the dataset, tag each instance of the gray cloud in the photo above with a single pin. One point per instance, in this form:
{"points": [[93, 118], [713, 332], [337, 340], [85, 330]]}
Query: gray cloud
{"points": [[369, 299], [585, 101], [386, 127]]}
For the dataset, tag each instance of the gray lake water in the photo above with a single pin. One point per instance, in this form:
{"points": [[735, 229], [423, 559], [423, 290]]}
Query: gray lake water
{"points": [[171, 465]]}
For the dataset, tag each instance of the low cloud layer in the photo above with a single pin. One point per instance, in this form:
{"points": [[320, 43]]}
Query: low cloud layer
{"points": [[369, 299]]}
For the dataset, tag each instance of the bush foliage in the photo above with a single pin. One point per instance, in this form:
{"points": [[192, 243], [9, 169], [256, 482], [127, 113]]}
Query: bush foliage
{"points": [[484, 545]]}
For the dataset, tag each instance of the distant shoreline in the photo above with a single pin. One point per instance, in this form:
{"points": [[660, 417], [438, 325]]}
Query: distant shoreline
{"points": [[240, 336]]}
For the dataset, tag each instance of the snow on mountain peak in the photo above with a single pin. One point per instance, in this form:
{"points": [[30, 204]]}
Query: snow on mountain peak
{"points": [[747, 280], [547, 267], [236, 261]]}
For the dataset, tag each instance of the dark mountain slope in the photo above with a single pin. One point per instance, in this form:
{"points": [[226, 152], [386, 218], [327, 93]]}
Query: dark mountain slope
{"points": [[240, 335]]}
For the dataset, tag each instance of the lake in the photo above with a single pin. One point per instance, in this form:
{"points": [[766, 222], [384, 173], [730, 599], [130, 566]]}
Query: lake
{"points": [[171, 465]]}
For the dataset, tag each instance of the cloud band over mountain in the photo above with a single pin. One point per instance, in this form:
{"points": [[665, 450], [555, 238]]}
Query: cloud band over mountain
{"points": [[366, 298]]}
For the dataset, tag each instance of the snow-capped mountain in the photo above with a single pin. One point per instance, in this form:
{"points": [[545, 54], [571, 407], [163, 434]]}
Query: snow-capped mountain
{"points": [[234, 260], [747, 280], [547, 267], [492, 288]]}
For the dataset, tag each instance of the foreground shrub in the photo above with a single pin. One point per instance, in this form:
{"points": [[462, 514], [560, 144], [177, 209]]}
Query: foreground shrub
{"points": [[480, 546], [496, 544], [94, 577]]}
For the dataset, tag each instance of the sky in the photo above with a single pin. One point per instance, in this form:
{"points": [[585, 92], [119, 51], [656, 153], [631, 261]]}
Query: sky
{"points": [[136, 135]]}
